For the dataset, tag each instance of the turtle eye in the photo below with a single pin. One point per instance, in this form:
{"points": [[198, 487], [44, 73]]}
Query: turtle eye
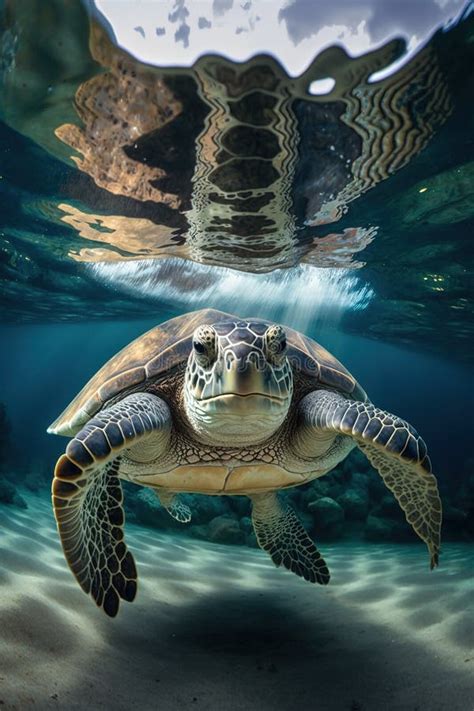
{"points": [[282, 345], [204, 344], [275, 338], [199, 347]]}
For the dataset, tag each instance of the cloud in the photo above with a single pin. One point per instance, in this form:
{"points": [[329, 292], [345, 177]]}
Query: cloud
{"points": [[408, 17], [220, 7], [180, 12], [204, 23], [384, 18], [182, 34]]}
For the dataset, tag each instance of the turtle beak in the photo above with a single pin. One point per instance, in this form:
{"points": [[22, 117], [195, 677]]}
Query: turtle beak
{"points": [[245, 373], [243, 376]]}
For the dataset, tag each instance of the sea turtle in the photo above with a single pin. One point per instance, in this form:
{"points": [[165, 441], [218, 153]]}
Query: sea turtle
{"points": [[214, 404]]}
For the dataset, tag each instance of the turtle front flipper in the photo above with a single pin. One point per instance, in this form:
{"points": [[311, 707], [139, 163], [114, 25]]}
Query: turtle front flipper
{"points": [[280, 533], [87, 497], [392, 446]]}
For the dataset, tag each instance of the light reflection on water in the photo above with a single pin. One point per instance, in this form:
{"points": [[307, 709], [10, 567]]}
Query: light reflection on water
{"points": [[297, 296]]}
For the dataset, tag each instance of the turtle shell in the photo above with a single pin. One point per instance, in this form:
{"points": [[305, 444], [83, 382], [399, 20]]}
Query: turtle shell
{"points": [[159, 350]]}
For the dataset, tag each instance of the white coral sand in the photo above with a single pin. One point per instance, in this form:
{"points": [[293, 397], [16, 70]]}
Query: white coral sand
{"points": [[218, 627]]}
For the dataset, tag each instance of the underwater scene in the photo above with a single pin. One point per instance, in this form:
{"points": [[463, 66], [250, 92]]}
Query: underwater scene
{"points": [[236, 390]]}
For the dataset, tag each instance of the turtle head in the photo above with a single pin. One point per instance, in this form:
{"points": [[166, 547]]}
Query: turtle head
{"points": [[239, 382]]}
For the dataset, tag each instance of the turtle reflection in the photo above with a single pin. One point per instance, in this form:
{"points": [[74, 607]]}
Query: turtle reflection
{"points": [[238, 164]]}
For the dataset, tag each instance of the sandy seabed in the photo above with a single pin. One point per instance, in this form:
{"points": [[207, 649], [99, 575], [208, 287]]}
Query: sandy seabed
{"points": [[218, 627]]}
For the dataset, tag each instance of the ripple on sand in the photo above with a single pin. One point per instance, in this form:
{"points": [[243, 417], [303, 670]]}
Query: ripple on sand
{"points": [[221, 623], [461, 631], [369, 593], [31, 620], [425, 618]]}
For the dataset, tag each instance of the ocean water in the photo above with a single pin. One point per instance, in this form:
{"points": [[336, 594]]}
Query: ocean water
{"points": [[131, 194]]}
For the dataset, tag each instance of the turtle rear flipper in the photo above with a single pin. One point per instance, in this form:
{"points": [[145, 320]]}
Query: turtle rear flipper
{"points": [[392, 446], [281, 534], [87, 498], [174, 505]]}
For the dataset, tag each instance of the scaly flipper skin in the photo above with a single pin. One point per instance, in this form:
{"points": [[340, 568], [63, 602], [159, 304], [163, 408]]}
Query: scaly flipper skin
{"points": [[174, 506], [392, 446], [87, 497], [280, 533]]}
